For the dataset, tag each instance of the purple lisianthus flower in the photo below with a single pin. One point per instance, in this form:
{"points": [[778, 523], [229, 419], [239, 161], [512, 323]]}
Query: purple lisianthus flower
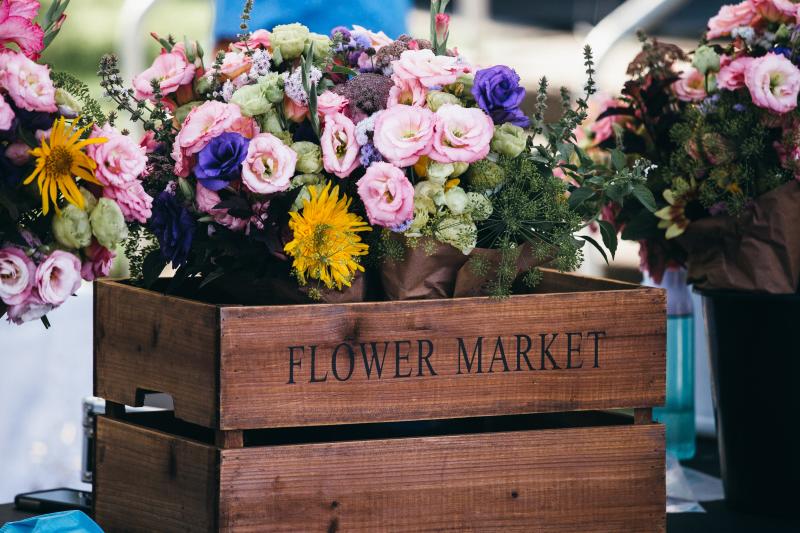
{"points": [[497, 91], [220, 162], [174, 228], [369, 154]]}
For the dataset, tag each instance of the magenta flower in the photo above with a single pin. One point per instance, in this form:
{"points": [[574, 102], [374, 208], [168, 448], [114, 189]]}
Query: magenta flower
{"points": [[17, 26]]}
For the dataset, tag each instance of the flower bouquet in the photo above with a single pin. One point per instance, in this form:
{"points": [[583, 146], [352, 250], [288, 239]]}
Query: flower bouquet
{"points": [[67, 185]]}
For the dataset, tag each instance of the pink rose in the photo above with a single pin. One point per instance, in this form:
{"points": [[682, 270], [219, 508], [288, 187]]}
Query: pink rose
{"points": [[202, 124], [269, 165], [98, 263], [730, 18], [404, 133], [207, 202], [17, 275], [461, 135], [33, 308], [171, 69], [339, 146], [330, 103], [18, 153], [776, 10], [6, 115], [133, 201], [731, 72], [17, 26], [120, 160], [387, 195], [774, 82], [58, 277], [407, 92], [428, 68], [27, 82], [690, 86]]}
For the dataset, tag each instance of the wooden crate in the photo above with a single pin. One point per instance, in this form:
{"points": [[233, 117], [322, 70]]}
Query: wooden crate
{"points": [[258, 390]]}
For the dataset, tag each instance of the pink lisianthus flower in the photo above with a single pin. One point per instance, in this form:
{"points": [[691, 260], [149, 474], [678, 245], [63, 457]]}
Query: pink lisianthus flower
{"points": [[340, 149], [729, 18], [133, 201], [17, 275], [149, 142], [269, 165], [330, 103], [776, 10], [377, 40], [407, 92], [58, 277], [6, 115], [202, 124], [404, 133], [235, 64], [27, 82], [171, 69], [33, 308], [731, 72], [293, 111], [774, 82], [120, 160], [428, 68], [207, 202], [17, 26], [259, 38], [98, 262], [461, 135], [690, 86], [387, 195]]}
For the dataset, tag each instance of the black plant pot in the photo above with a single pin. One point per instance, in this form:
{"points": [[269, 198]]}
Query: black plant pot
{"points": [[754, 344]]}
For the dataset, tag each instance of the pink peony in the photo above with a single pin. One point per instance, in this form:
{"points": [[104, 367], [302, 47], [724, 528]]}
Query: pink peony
{"points": [[404, 133], [202, 124], [774, 82], [18, 153], [387, 195], [133, 201], [17, 275], [98, 263], [775, 10], [6, 115], [171, 69], [407, 92], [730, 18], [731, 72], [269, 165], [58, 277], [330, 103], [428, 68], [120, 160], [461, 135], [33, 308], [207, 202], [339, 147], [690, 86], [17, 26], [27, 82]]}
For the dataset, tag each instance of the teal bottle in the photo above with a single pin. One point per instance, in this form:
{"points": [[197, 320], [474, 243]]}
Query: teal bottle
{"points": [[678, 413]]}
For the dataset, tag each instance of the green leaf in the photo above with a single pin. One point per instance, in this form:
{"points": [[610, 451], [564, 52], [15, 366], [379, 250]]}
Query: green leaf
{"points": [[596, 244], [566, 150], [211, 277], [341, 69], [618, 160], [645, 197], [643, 225], [618, 191], [579, 196], [586, 161], [609, 234]]}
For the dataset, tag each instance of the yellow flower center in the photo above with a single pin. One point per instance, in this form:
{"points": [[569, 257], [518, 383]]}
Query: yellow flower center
{"points": [[59, 162]]}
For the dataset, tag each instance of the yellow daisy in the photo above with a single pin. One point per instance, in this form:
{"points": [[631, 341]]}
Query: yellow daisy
{"points": [[59, 161], [326, 244]]}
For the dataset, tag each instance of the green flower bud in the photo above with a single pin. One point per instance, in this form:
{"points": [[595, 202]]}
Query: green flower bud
{"points": [[479, 206], [430, 190], [456, 200], [290, 39], [322, 45], [437, 99], [783, 33], [187, 191], [251, 100], [202, 85], [272, 87], [89, 201], [463, 86], [485, 175], [458, 232], [439, 172], [67, 103], [183, 111], [705, 60], [71, 228], [459, 169], [270, 122], [108, 223], [309, 157], [509, 140]]}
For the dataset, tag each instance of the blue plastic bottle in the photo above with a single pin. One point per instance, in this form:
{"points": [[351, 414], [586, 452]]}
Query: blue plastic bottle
{"points": [[678, 413]]}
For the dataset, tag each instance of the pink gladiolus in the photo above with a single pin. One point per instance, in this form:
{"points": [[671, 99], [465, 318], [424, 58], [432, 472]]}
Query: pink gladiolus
{"points": [[269, 165], [17, 275], [339, 146], [27, 83], [731, 73], [98, 262], [428, 68], [442, 26], [17, 26], [461, 135], [404, 133], [172, 71], [730, 18], [58, 277], [387, 195], [202, 124], [774, 82], [690, 86]]}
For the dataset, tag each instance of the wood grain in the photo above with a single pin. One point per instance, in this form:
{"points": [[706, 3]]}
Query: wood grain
{"points": [[145, 341], [149, 481], [607, 479]]}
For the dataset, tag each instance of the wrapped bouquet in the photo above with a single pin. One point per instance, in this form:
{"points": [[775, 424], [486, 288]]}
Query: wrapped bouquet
{"points": [[68, 180]]}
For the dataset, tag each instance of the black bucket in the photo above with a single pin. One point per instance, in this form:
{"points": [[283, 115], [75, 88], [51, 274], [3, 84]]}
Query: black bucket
{"points": [[754, 345]]}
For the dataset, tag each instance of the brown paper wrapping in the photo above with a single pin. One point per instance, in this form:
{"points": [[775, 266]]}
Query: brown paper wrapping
{"points": [[759, 252], [427, 271], [471, 283]]}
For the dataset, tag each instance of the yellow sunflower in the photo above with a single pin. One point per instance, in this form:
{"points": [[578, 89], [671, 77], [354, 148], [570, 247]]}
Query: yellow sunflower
{"points": [[326, 244], [673, 217], [59, 161]]}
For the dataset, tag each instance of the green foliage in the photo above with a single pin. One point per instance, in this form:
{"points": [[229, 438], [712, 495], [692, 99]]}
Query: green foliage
{"points": [[92, 110]]}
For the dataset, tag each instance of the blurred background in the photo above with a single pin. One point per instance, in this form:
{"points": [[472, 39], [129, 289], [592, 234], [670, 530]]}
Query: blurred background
{"points": [[43, 377]]}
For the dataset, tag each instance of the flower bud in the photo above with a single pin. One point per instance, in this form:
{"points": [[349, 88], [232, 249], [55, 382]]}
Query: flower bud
{"points": [[68, 106], [463, 86], [437, 99], [290, 39], [705, 60], [251, 100], [458, 169], [322, 45], [459, 233], [309, 157], [71, 228], [108, 223], [456, 200], [439, 172], [485, 175], [509, 140], [272, 87], [422, 209], [479, 206], [442, 27]]}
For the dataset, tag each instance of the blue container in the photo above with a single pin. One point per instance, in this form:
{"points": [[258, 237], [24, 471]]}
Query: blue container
{"points": [[678, 413]]}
